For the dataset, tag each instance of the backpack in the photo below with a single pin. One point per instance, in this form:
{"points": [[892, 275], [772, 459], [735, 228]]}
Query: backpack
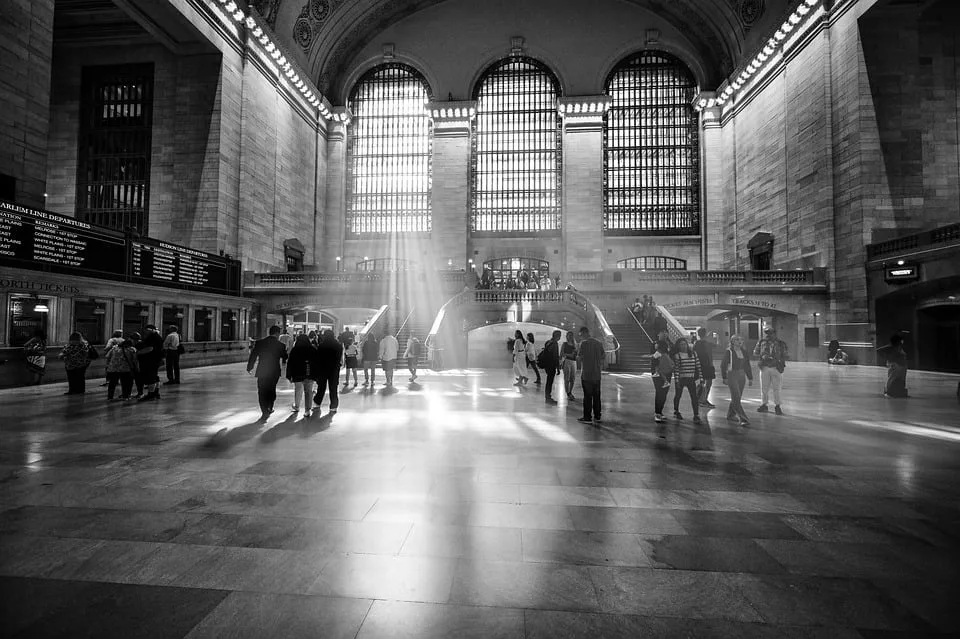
{"points": [[665, 366], [542, 358]]}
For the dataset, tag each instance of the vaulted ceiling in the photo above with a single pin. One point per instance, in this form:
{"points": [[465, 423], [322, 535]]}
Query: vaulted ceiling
{"points": [[330, 33]]}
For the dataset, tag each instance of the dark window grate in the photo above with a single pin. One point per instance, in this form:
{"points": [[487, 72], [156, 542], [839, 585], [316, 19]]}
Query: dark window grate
{"points": [[113, 168], [389, 182], [515, 186], [653, 263], [651, 172]]}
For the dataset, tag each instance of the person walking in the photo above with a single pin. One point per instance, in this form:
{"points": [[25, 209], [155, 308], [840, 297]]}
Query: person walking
{"points": [[329, 356], [370, 351], [661, 372], [35, 357], [520, 359], [76, 358], [150, 355], [704, 351], [896, 362], [771, 354], [568, 352], [351, 359], [389, 348], [268, 354], [591, 363], [121, 365], [531, 355], [286, 339], [412, 355], [300, 362], [735, 370], [687, 374], [171, 353], [550, 358]]}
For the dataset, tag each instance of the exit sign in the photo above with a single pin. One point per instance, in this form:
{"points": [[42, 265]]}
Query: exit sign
{"points": [[902, 273]]}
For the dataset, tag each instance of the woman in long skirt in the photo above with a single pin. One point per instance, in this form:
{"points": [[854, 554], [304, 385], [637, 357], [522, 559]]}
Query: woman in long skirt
{"points": [[520, 359], [896, 359]]}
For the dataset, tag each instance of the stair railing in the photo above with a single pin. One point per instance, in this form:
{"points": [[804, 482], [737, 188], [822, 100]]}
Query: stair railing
{"points": [[373, 323], [640, 324]]}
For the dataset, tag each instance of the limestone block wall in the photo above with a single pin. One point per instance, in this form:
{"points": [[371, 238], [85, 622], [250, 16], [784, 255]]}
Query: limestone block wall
{"points": [[26, 53]]}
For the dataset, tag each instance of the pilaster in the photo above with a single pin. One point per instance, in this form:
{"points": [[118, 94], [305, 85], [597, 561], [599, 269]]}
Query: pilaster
{"points": [[711, 181], [336, 211], [452, 127]]}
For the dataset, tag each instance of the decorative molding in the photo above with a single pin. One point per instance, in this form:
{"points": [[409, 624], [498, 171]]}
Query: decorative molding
{"points": [[452, 119], [583, 113]]}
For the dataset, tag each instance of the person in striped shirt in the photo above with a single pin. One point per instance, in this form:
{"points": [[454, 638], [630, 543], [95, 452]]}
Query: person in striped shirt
{"points": [[688, 373]]}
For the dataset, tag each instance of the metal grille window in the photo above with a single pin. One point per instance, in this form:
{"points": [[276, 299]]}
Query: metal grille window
{"points": [[651, 173], [516, 150], [653, 263], [113, 171], [389, 155]]}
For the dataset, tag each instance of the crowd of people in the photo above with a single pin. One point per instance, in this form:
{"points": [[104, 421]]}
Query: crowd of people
{"points": [[521, 280]]}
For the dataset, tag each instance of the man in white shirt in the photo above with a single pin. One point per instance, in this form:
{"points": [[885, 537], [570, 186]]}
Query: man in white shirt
{"points": [[388, 355], [171, 352]]}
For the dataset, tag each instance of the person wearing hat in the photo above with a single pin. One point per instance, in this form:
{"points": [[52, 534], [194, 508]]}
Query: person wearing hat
{"points": [[150, 356], [771, 354]]}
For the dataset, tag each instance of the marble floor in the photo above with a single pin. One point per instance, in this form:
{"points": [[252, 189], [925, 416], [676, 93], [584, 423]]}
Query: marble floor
{"points": [[464, 507]]}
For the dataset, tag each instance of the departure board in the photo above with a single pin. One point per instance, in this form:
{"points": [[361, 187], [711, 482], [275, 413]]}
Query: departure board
{"points": [[31, 238], [44, 241]]}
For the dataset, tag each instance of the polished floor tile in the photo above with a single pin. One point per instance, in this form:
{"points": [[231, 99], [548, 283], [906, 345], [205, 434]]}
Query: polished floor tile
{"points": [[468, 508]]}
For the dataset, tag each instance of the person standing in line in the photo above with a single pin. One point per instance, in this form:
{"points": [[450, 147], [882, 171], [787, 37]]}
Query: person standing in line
{"points": [[771, 354], [688, 373], [300, 361], [412, 355], [35, 356], [371, 351], [735, 370], [568, 352], [896, 362], [135, 339], [268, 354], [171, 352], [661, 372], [351, 357], [389, 348], [704, 351], [591, 363], [150, 355], [329, 356], [115, 340], [76, 358], [531, 355], [121, 365], [551, 364], [520, 359]]}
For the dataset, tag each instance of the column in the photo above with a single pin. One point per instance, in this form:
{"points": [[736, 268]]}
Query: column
{"points": [[452, 124], [583, 182], [711, 183], [336, 211]]}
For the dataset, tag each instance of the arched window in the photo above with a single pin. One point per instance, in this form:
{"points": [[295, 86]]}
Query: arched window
{"points": [[388, 185], [515, 186], [503, 268], [653, 263], [651, 148]]}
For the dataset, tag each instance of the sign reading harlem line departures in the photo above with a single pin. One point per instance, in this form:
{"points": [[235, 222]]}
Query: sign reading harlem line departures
{"points": [[40, 240]]}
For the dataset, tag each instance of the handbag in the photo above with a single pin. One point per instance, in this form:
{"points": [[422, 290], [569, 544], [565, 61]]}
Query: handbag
{"points": [[180, 349], [92, 353]]}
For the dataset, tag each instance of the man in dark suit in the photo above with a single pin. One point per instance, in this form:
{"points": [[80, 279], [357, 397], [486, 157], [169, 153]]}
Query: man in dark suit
{"points": [[551, 362], [268, 353]]}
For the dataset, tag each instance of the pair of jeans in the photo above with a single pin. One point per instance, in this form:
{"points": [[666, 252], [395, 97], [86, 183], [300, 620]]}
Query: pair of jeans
{"points": [[551, 375], [388, 367], [76, 380], [267, 392], [770, 380], [533, 366], [173, 365], [126, 384], [591, 398], [303, 391], [691, 385], [412, 365], [661, 387], [325, 381], [736, 381], [569, 375]]}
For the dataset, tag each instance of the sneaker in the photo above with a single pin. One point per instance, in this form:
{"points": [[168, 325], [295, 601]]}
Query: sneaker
{"points": [[732, 418], [570, 396], [584, 420], [677, 414], [763, 409], [707, 404], [550, 400], [743, 422], [295, 408], [597, 421], [697, 420], [777, 410], [658, 418]]}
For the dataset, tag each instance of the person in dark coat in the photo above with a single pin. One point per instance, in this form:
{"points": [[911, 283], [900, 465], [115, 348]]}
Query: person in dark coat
{"points": [[301, 359], [551, 364], [704, 351], [329, 358], [267, 354], [150, 357]]}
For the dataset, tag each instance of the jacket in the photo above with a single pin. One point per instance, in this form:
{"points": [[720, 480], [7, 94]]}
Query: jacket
{"points": [[771, 354], [687, 366], [267, 353], [551, 355], [329, 356], [122, 360], [388, 348], [75, 355], [704, 351], [733, 363], [371, 350], [300, 363]]}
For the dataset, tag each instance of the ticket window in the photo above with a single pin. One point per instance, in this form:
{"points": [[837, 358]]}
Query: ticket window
{"points": [[89, 319], [172, 316], [135, 318], [229, 323], [203, 325], [27, 316]]}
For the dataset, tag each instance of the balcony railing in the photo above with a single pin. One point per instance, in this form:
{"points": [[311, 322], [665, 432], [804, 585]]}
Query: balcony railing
{"points": [[943, 236], [306, 279]]}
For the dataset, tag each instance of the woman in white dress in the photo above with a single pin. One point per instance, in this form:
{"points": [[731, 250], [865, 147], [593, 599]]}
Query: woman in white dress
{"points": [[520, 359]]}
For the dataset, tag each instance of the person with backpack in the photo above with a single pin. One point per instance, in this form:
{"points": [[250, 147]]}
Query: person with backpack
{"points": [[531, 353], [122, 365], [412, 355], [549, 361], [687, 373], [661, 370]]}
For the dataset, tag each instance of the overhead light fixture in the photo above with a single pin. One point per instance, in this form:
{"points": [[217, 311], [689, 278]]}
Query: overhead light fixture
{"points": [[40, 307]]}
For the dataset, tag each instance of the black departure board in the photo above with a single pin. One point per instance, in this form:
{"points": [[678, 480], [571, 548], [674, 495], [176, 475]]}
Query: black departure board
{"points": [[40, 240], [37, 239]]}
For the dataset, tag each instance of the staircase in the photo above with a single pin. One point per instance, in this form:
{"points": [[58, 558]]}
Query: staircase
{"points": [[635, 348], [418, 327]]}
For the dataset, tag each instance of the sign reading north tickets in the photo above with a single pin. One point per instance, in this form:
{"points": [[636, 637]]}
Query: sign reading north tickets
{"points": [[39, 240]]}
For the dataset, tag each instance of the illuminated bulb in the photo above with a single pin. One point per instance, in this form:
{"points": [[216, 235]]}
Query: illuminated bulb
{"points": [[768, 50], [264, 40], [803, 9], [794, 19], [779, 36], [787, 27], [251, 23], [275, 54], [257, 32], [238, 16], [811, 3], [282, 60], [231, 7]]}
